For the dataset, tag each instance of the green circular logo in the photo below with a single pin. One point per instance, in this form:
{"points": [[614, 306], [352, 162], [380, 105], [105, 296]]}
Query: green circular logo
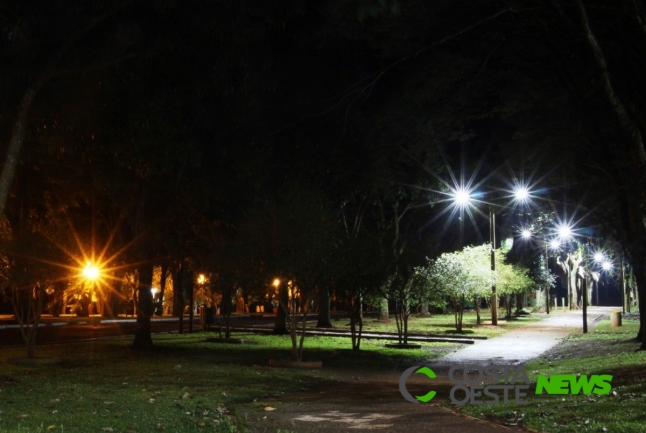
{"points": [[409, 372]]}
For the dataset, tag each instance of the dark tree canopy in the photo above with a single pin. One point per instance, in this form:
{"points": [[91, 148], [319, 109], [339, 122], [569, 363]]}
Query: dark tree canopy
{"points": [[166, 131]]}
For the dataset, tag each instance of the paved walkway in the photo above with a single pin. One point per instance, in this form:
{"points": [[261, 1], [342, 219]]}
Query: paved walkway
{"points": [[374, 403], [528, 342]]}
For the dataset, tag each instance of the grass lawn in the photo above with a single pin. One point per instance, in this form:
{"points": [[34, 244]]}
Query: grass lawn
{"points": [[604, 350], [183, 385], [444, 324]]}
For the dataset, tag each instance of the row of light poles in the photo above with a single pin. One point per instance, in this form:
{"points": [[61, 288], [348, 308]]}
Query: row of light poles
{"points": [[464, 199]]}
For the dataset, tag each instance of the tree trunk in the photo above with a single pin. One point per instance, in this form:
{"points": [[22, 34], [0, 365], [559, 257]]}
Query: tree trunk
{"points": [[324, 320], [640, 279], [27, 304], [190, 286], [143, 338], [18, 136], [459, 310], [162, 288], [356, 325], [280, 324], [424, 309], [58, 303], [178, 295], [383, 310], [226, 308]]}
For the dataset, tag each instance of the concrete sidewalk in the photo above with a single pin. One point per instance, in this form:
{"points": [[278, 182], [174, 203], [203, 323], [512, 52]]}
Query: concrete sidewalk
{"points": [[528, 342]]}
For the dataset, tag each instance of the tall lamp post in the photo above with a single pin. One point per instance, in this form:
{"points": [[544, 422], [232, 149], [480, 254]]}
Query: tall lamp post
{"points": [[565, 234], [606, 267]]}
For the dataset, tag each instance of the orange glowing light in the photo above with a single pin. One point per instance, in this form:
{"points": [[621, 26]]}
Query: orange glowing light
{"points": [[91, 272]]}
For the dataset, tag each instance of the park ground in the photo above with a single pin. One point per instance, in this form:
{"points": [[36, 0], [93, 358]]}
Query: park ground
{"points": [[188, 384]]}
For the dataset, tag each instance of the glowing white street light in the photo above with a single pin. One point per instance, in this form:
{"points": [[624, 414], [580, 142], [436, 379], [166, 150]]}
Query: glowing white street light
{"points": [[555, 244], [526, 234], [461, 197], [521, 194], [564, 231], [606, 266], [599, 257]]}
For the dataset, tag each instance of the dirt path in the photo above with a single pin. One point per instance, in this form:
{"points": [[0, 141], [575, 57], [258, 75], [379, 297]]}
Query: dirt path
{"points": [[372, 401]]}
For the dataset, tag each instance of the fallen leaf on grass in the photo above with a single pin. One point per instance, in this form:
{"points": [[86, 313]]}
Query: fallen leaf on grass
{"points": [[269, 408], [186, 395], [54, 400], [51, 427], [23, 416], [107, 429], [108, 402], [160, 427]]}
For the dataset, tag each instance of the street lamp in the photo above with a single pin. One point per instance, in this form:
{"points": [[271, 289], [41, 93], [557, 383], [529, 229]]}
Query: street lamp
{"points": [[564, 232], [521, 194], [462, 199], [91, 272]]}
